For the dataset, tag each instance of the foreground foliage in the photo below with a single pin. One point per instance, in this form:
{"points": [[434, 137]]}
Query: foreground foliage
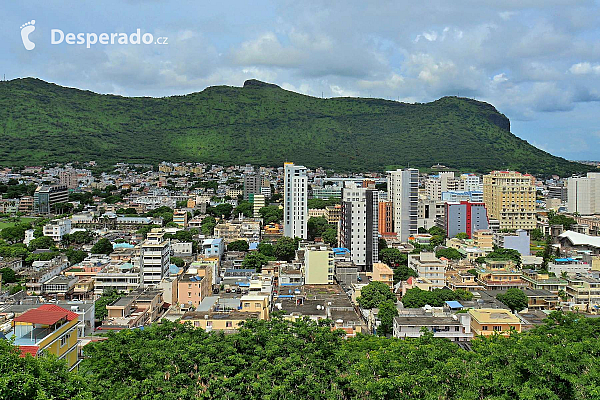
{"points": [[300, 360]]}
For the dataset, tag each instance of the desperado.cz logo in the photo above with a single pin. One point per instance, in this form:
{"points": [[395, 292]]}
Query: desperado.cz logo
{"points": [[89, 39]]}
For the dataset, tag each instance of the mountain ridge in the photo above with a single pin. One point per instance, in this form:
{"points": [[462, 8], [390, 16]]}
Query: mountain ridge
{"points": [[260, 123]]}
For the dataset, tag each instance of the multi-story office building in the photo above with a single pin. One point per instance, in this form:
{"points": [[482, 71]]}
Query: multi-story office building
{"points": [[558, 192], [45, 197], [68, 178], [510, 197], [359, 224], [465, 217], [295, 201], [437, 184], [403, 192], [470, 183], [156, 258], [474, 196], [584, 194], [251, 184]]}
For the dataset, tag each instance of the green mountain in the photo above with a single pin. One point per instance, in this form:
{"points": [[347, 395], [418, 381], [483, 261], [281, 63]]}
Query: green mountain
{"points": [[262, 124]]}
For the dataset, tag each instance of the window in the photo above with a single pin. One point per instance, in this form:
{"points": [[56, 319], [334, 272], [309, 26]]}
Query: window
{"points": [[484, 328], [497, 328], [256, 305], [63, 340], [246, 305], [228, 324]]}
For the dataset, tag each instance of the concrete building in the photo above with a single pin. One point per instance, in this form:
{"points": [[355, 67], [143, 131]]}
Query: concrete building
{"points": [[318, 265], [48, 329], [45, 197], [471, 183], [443, 182], [383, 273], [258, 202], [584, 194], [578, 242], [518, 240], [385, 218], [510, 197], [213, 247], [456, 328], [429, 267], [484, 239], [156, 258], [430, 213], [465, 217], [474, 196], [488, 321], [193, 289], [403, 192], [295, 201], [359, 224], [68, 178], [559, 193], [57, 228], [180, 217]]}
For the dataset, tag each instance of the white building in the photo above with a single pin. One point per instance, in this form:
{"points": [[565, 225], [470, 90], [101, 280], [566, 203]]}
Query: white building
{"points": [[295, 201], [583, 194], [359, 225], [471, 183], [443, 182], [429, 267], [403, 192], [156, 258], [57, 228], [456, 328]]}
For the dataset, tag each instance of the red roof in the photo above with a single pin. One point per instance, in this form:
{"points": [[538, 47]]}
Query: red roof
{"points": [[47, 314], [33, 350]]}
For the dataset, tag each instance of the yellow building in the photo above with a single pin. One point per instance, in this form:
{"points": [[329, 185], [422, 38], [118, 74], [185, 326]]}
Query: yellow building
{"points": [[510, 197], [255, 304], [48, 329], [180, 217], [318, 265], [484, 239], [487, 321], [383, 273], [219, 321]]}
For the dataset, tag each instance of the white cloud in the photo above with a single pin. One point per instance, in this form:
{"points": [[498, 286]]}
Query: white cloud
{"points": [[584, 68]]}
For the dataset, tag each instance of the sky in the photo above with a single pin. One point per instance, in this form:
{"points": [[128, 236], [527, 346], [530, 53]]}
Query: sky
{"points": [[538, 62]]}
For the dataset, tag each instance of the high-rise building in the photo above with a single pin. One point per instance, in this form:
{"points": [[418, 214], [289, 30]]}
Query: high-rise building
{"points": [[470, 183], [359, 225], [430, 213], [295, 201], [465, 217], [558, 192], [584, 194], [403, 192], [252, 184], [386, 211], [68, 178], [258, 202], [155, 259], [510, 197]]}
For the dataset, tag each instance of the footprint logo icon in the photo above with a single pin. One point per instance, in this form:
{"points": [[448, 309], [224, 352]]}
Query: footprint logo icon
{"points": [[26, 29]]}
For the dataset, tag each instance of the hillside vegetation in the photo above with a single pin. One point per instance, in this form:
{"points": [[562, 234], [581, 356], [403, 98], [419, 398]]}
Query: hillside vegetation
{"points": [[260, 124]]}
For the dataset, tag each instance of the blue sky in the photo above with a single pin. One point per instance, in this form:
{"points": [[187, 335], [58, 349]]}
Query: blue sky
{"points": [[538, 62]]}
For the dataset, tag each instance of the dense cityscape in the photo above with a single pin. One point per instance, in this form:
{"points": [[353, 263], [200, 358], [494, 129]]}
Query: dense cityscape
{"points": [[88, 252]]}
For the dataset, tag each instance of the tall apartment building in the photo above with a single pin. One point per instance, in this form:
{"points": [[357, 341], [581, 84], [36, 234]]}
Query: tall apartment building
{"points": [[68, 178], [359, 225], [510, 197], [295, 201], [470, 183], [403, 192], [429, 267], [385, 218], [318, 265], [558, 192], [584, 194], [256, 184], [465, 217], [430, 213], [443, 182], [45, 197], [258, 201], [180, 217], [155, 259]]}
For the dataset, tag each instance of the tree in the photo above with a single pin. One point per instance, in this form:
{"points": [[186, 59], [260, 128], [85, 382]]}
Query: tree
{"points": [[393, 257], [421, 230], [266, 249], [500, 254], [285, 249], [417, 298], [462, 236], [75, 256], [563, 295], [449, 253], [238, 245], [387, 312], [536, 234], [256, 260], [8, 275], [178, 262], [515, 299], [14, 234], [102, 246], [271, 214], [207, 226], [43, 242], [559, 219], [374, 294], [403, 272], [223, 210], [436, 230], [244, 207], [316, 226], [330, 236], [109, 296]]}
